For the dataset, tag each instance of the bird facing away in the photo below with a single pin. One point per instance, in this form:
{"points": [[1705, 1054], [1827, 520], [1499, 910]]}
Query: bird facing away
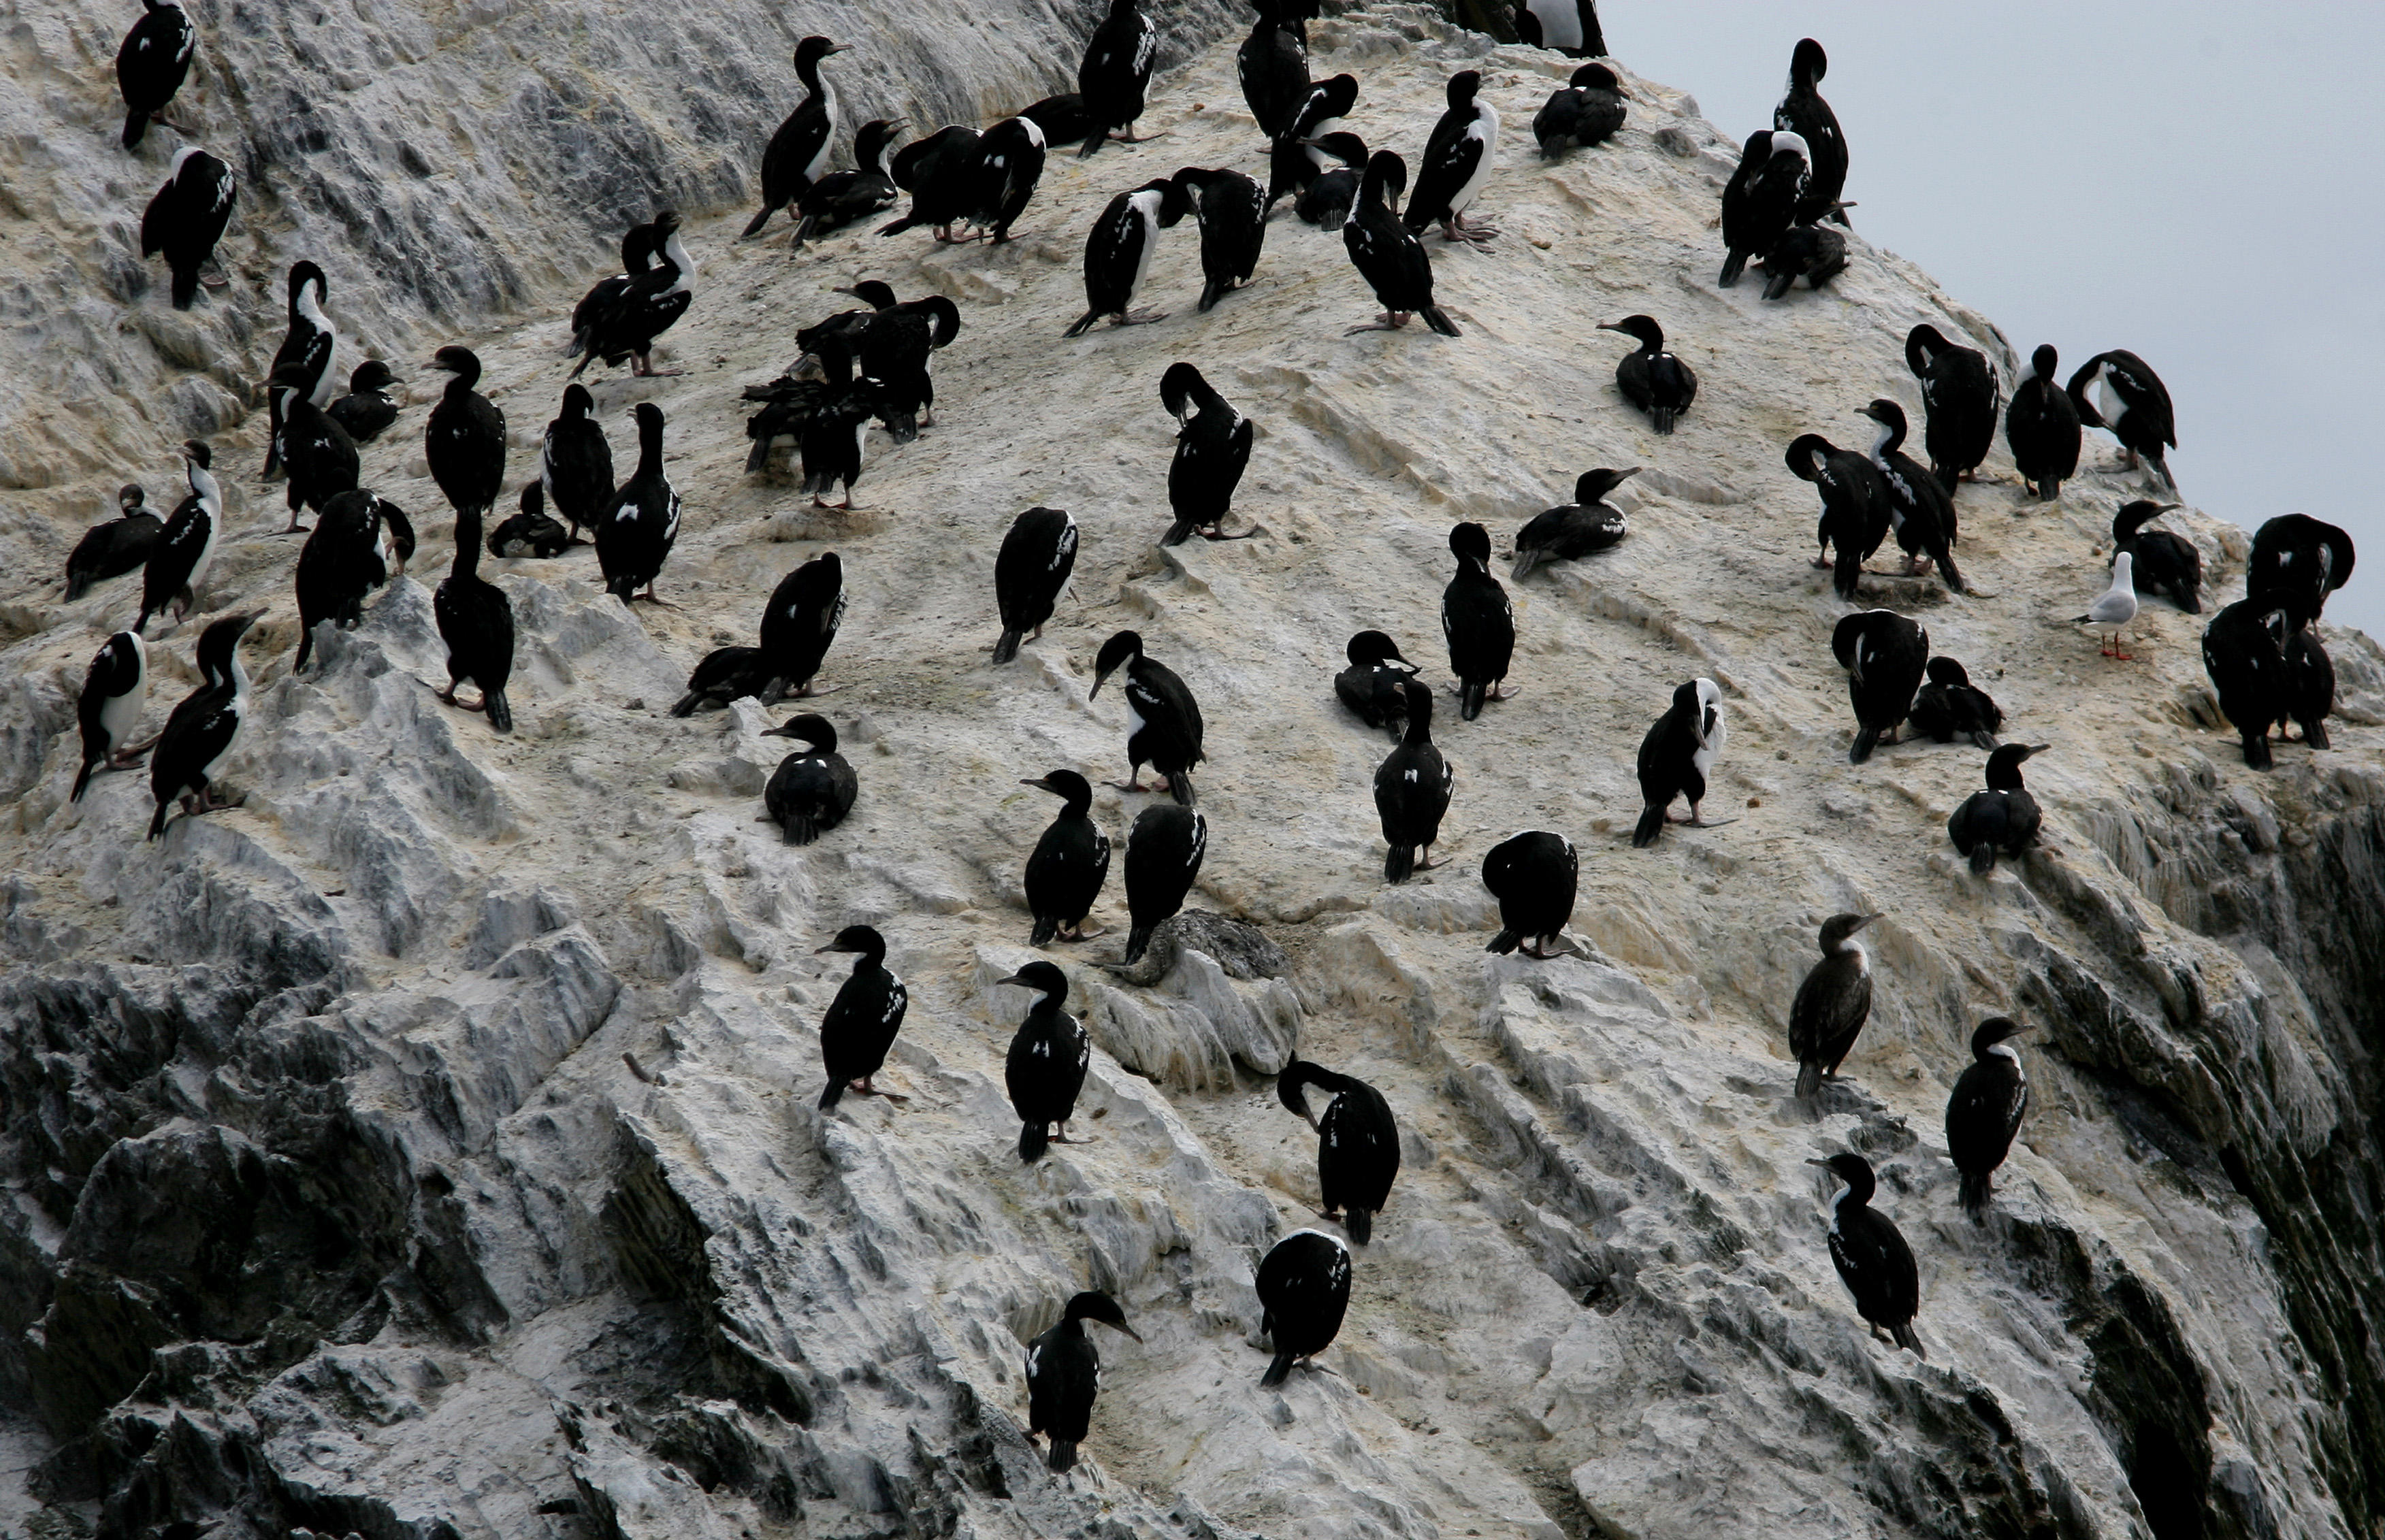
{"points": [[2001, 820], [1411, 792], [1831, 1005], [1304, 1288], [1535, 876], [1477, 620]]}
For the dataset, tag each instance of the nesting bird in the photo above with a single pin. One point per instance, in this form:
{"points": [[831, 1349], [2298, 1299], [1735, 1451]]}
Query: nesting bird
{"points": [[1871, 1256], [1163, 719], [1586, 111], [532, 531], [1358, 1144], [1479, 622], [2001, 820], [861, 1020], [1650, 378], [1572, 531], [367, 411], [1884, 655], [1534, 875], [1984, 1114], [1375, 685], [842, 198], [813, 788], [1412, 790], [1813, 251], [1950, 706], [1069, 865], [1832, 1004], [1044, 1070], [1675, 758]]}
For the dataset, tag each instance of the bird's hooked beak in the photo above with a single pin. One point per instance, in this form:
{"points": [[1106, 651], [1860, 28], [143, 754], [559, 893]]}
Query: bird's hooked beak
{"points": [[1039, 783], [840, 47], [830, 947], [1122, 1327], [787, 732], [1099, 680], [1023, 983], [1623, 475], [1824, 1164], [2035, 749]]}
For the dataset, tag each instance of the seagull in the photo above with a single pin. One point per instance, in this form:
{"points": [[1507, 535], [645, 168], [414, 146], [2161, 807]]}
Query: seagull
{"points": [[2114, 610]]}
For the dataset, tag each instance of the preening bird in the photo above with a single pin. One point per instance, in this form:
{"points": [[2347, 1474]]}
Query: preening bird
{"points": [[2112, 610], [891, 350], [1304, 1288], [532, 532], [1117, 252], [1760, 201], [1212, 447], [1871, 1256], [367, 411], [1044, 1070], [1587, 111], [1478, 621], [1677, 756], [1534, 875], [1815, 253], [2300, 558], [1803, 113], [1326, 202], [306, 359], [1231, 211], [316, 451], [349, 553], [1855, 507], [151, 64], [1389, 257], [941, 172], [1037, 555], [1920, 508], [1959, 392], [1358, 1144], [2244, 652], [1115, 74], [205, 728], [463, 437], [2160, 561], [117, 547], [861, 1024], [813, 788], [798, 155], [1297, 157], [842, 198], [635, 535], [1061, 117], [1375, 685], [1568, 27], [1831, 1005], [187, 217], [1950, 706], [1063, 1375], [1272, 64], [1411, 792], [1650, 378], [476, 620], [1069, 865], [2002, 820], [1163, 859], [185, 547], [1985, 1111], [1163, 719], [799, 626], [1575, 529], [114, 689], [1002, 174], [1884, 655], [2120, 392], [575, 462], [620, 324], [2042, 427], [1456, 164]]}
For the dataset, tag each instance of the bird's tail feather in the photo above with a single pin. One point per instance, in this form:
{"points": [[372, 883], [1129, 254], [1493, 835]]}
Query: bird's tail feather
{"points": [[2256, 750], [1661, 419], [1867, 738], [1046, 927], [687, 704], [2049, 488], [1470, 696], [754, 226], [1034, 1139], [799, 828], [1211, 293], [501, 715], [83, 780], [1651, 823], [1732, 266], [804, 228], [186, 287], [1438, 318], [1360, 1223], [1179, 785], [1846, 576], [2314, 733], [834, 1093], [1083, 323], [157, 823], [306, 650], [1400, 865], [1986, 739], [1063, 1455], [1137, 941], [1178, 532], [1903, 1332], [758, 457], [1779, 283], [1983, 858], [1975, 1192], [135, 125], [1945, 559], [1505, 942], [1007, 647], [1809, 1080], [1276, 1371], [898, 227]]}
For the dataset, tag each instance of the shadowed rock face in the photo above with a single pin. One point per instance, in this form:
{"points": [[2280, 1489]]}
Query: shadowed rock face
{"points": [[428, 1148]]}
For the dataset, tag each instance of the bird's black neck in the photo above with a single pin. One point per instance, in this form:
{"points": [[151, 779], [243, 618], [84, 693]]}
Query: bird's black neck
{"points": [[467, 545]]}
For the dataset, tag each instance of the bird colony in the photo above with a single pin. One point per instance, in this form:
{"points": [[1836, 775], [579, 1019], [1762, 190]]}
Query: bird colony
{"points": [[1209, 806]]}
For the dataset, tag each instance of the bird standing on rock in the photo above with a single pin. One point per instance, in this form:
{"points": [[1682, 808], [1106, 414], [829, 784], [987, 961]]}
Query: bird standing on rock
{"points": [[1117, 252], [619, 320], [799, 626], [1231, 212], [205, 728], [1921, 510], [1358, 1144], [476, 620], [2244, 652], [305, 360], [151, 65], [1044, 1070], [1760, 201], [575, 462], [2120, 392], [892, 354], [842, 198], [1389, 258], [797, 154], [114, 689], [347, 555], [2300, 558], [2112, 609], [316, 451], [2002, 820], [1855, 507], [1002, 174], [367, 411], [1958, 389], [187, 217], [2160, 561], [1163, 720], [1070, 864], [1304, 1288], [1212, 448], [464, 439], [1412, 790], [861, 1023], [1985, 1111], [1653, 380], [1064, 1374], [1456, 164], [1272, 64], [942, 173], [185, 548], [1676, 757], [1479, 622], [1871, 1256], [1831, 1005], [1534, 875], [1803, 113], [1567, 27], [1297, 156], [1572, 531], [1037, 555], [1115, 73], [813, 788], [635, 535], [115, 548], [1163, 859], [2042, 427], [1884, 655]]}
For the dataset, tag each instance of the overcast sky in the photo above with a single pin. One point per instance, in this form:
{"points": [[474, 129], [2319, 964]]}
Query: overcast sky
{"points": [[2198, 184]]}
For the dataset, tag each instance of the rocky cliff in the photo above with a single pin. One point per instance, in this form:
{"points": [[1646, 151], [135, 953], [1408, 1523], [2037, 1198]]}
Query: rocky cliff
{"points": [[427, 1148]]}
